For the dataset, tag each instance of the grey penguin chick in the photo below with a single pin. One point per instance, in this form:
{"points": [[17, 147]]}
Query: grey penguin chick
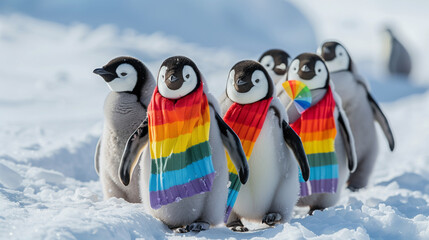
{"points": [[273, 188], [311, 69], [179, 77], [361, 109], [131, 85]]}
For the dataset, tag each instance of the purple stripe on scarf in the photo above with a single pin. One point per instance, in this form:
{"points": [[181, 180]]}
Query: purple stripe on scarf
{"points": [[319, 186], [178, 192]]}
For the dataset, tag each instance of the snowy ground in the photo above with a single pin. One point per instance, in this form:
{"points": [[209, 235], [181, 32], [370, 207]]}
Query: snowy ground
{"points": [[51, 117]]}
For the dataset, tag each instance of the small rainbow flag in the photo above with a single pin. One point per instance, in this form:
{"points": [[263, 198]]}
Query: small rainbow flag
{"points": [[317, 130], [246, 121], [179, 147]]}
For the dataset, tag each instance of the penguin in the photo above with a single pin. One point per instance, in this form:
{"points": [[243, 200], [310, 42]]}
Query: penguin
{"points": [[311, 69], [275, 61], [179, 78], [273, 188], [361, 109], [397, 57], [131, 85]]}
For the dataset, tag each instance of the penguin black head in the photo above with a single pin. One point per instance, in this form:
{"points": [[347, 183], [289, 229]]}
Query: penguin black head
{"points": [[124, 74], [177, 77], [310, 69], [249, 82], [336, 56], [275, 61]]}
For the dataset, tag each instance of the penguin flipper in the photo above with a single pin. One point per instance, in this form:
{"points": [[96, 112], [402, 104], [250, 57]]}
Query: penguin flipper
{"points": [[278, 109], [294, 142], [235, 150], [348, 139], [382, 120], [97, 157], [133, 149]]}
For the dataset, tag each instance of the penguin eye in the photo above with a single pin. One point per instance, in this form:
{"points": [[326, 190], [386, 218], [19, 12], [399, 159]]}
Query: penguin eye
{"points": [[123, 74], [162, 76], [268, 65], [187, 76], [341, 54], [319, 70], [257, 80]]}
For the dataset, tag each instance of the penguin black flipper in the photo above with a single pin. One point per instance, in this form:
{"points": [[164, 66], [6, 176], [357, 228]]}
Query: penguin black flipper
{"points": [[348, 141], [294, 142], [235, 150], [133, 149], [97, 157], [382, 120]]}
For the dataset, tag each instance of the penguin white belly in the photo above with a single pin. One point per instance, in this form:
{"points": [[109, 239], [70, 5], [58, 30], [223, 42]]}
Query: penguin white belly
{"points": [[256, 196]]}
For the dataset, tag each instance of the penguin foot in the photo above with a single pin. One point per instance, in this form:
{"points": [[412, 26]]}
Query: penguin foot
{"points": [[272, 218], [314, 208], [198, 226], [180, 230], [353, 188], [237, 226]]}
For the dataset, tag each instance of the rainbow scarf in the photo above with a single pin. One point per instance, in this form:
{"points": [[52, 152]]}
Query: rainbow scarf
{"points": [[179, 147], [316, 127], [246, 121]]}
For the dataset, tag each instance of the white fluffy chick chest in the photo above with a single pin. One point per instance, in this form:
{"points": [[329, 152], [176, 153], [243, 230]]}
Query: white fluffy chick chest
{"points": [[256, 196]]}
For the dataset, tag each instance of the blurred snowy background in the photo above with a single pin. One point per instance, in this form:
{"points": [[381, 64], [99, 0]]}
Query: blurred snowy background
{"points": [[51, 106]]}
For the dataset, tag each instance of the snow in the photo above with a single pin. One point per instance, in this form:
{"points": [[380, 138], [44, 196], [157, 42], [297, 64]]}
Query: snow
{"points": [[51, 117]]}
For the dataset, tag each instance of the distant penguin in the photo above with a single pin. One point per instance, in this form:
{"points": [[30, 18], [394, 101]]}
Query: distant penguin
{"points": [[184, 172], [397, 57], [361, 110], [325, 133], [273, 149], [275, 61], [131, 85]]}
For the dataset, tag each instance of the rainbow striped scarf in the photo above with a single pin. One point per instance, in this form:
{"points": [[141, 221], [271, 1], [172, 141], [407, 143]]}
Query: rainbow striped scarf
{"points": [[246, 121], [316, 127], [179, 147]]}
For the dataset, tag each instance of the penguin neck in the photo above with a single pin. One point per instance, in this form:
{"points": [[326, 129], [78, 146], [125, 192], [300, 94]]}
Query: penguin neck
{"points": [[317, 95], [144, 89]]}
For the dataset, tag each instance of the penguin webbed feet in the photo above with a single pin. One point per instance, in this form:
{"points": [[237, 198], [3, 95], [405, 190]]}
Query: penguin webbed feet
{"points": [[237, 226], [193, 227], [272, 218]]}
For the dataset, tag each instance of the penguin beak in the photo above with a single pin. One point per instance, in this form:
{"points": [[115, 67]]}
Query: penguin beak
{"points": [[240, 82], [280, 69], [173, 82], [173, 78], [305, 68], [106, 75], [306, 73], [101, 72], [242, 86]]}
